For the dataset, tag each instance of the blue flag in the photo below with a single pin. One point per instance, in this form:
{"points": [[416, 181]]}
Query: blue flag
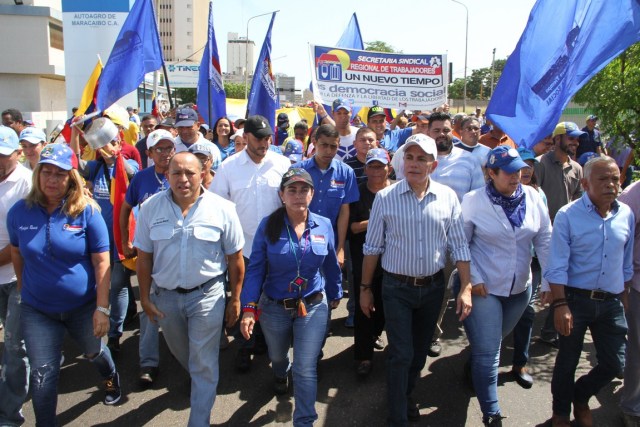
{"points": [[351, 38], [564, 44], [212, 100], [263, 98], [137, 51]]}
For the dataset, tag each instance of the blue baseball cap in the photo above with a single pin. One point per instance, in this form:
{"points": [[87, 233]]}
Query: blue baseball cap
{"points": [[526, 154], [33, 135], [8, 141], [186, 117], [585, 157], [568, 128], [59, 155], [341, 103], [505, 158], [293, 150], [377, 155]]}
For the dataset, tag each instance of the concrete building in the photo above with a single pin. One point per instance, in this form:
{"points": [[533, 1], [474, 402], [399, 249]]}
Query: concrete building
{"points": [[240, 52], [182, 25], [286, 88]]}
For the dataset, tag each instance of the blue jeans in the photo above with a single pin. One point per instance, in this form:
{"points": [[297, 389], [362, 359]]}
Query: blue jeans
{"points": [[410, 315], [192, 324], [119, 298], [43, 335], [491, 319], [608, 326], [524, 327], [281, 327], [149, 344], [14, 378]]}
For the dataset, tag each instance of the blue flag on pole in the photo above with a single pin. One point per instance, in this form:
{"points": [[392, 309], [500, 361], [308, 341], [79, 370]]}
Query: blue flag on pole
{"points": [[564, 44], [351, 38], [212, 99], [263, 98], [137, 51]]}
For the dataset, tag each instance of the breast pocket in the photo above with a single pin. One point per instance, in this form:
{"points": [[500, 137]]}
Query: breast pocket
{"points": [[161, 232], [207, 242], [319, 249], [336, 193]]}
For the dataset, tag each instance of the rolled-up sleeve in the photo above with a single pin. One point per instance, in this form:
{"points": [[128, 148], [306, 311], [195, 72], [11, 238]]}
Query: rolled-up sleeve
{"points": [[374, 243]]}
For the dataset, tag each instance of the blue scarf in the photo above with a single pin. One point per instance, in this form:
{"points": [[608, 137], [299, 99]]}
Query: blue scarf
{"points": [[514, 206]]}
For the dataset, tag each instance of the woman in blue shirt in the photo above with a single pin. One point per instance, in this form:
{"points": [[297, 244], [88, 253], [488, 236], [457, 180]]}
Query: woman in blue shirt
{"points": [[284, 286], [60, 252], [222, 131]]}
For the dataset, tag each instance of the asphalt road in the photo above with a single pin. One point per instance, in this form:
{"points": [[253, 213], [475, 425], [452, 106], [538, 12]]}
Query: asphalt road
{"points": [[343, 400]]}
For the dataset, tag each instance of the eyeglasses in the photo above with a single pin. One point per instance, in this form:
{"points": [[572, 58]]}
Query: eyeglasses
{"points": [[167, 150]]}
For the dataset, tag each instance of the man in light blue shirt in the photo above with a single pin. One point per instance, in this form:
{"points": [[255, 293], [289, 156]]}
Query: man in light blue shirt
{"points": [[590, 268]]}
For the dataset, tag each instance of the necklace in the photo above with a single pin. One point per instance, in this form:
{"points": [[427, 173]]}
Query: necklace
{"points": [[161, 182]]}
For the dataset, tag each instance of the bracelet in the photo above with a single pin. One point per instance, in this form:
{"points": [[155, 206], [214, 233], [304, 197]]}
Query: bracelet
{"points": [[324, 117], [103, 310], [363, 286], [559, 300], [562, 304]]}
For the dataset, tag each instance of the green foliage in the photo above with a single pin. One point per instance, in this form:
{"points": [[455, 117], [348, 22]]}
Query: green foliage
{"points": [[478, 83], [186, 95], [613, 94], [234, 90], [380, 46]]}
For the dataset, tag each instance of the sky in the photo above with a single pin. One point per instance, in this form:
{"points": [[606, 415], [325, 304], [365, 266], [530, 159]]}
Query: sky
{"points": [[418, 27]]}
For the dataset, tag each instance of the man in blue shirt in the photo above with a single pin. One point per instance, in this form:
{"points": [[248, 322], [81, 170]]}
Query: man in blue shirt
{"points": [[388, 139], [589, 272]]}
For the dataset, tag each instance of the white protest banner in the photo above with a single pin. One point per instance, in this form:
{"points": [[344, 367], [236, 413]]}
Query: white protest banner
{"points": [[365, 78]]}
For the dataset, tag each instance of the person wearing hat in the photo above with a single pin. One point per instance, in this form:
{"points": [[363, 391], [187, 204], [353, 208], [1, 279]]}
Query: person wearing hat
{"points": [[589, 273], [341, 120], [205, 154], [161, 147], [495, 137], [188, 239], [300, 132], [365, 141], [412, 235], [590, 141], [558, 174], [60, 247], [293, 150], [32, 141], [120, 117], [389, 139], [502, 221], [292, 279], [367, 330], [250, 179], [168, 124], [15, 180], [188, 128], [283, 131]]}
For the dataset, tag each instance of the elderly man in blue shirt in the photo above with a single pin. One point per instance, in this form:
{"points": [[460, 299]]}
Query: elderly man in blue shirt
{"points": [[590, 267]]}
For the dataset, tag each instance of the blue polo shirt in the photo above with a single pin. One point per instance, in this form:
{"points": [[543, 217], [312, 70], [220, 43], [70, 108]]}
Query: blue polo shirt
{"points": [[394, 139], [58, 274], [332, 188], [145, 184], [273, 266], [227, 151]]}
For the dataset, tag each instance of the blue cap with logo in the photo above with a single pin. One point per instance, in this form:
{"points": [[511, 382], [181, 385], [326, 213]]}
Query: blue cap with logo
{"points": [[58, 155], [377, 155], [341, 103], [585, 157], [33, 135], [505, 158], [526, 154], [293, 150], [186, 117], [8, 140]]}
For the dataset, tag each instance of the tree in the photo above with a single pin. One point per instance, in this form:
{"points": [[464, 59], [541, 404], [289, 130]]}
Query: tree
{"points": [[234, 90], [186, 95], [478, 83], [613, 95], [380, 46]]}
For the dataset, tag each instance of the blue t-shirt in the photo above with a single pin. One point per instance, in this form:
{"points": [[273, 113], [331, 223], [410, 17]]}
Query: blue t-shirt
{"points": [[394, 139], [58, 274], [145, 184], [227, 151]]}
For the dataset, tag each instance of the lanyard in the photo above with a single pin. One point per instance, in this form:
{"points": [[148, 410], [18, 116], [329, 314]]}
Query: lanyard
{"points": [[292, 247]]}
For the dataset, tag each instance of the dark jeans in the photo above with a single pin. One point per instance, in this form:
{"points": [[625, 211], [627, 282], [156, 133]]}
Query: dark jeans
{"points": [[522, 330], [367, 329], [411, 314], [608, 326]]}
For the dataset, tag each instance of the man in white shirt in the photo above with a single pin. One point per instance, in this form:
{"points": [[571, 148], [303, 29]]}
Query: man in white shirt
{"points": [[341, 120]]}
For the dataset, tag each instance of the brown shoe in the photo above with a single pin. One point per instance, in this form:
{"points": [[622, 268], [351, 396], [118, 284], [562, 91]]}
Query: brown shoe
{"points": [[582, 414], [560, 421]]}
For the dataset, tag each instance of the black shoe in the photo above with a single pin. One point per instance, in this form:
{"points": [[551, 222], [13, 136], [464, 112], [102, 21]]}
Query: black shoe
{"points": [[112, 389], [243, 360], [281, 386], [148, 375], [435, 349], [378, 343], [522, 377], [493, 421], [413, 413], [467, 375], [364, 368], [552, 341], [114, 345]]}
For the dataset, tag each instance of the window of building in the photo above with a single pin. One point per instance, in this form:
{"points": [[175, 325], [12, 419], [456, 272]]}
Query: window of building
{"points": [[55, 36], [188, 19]]}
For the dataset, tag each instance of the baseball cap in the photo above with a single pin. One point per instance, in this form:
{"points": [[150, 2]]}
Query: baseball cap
{"points": [[238, 133], [118, 115], [526, 154], [505, 158], [592, 117], [159, 135], [422, 118], [294, 175], [585, 157], [200, 148], [377, 155], [167, 122], [186, 117], [258, 126], [33, 135], [282, 119], [129, 108], [568, 128], [341, 103], [59, 155], [293, 150], [101, 132], [426, 143], [8, 140], [376, 110]]}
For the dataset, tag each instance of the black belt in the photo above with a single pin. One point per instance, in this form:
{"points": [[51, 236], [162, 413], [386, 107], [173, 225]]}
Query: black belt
{"points": [[195, 288], [595, 295], [417, 281], [292, 303]]}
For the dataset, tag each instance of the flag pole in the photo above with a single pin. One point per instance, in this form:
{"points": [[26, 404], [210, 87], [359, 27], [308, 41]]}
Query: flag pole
{"points": [[209, 100], [166, 81]]}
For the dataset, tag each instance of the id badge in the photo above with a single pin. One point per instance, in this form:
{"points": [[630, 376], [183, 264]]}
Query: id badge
{"points": [[299, 282]]}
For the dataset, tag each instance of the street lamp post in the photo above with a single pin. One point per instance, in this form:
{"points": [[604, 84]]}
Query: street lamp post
{"points": [[466, 44], [246, 54]]}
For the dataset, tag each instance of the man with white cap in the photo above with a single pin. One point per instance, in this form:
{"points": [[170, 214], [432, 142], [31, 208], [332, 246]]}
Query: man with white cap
{"points": [[160, 148], [413, 224], [32, 141], [15, 183]]}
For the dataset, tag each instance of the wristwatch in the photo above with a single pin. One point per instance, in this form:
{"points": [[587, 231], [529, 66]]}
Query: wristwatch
{"points": [[103, 310]]}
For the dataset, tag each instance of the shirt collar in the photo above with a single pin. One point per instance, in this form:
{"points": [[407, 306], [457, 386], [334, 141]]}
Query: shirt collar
{"points": [[311, 223], [315, 165], [590, 207], [406, 188]]}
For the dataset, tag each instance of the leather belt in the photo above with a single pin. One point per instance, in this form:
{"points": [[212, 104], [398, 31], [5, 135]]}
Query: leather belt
{"points": [[196, 288], [596, 295], [292, 303], [417, 281]]}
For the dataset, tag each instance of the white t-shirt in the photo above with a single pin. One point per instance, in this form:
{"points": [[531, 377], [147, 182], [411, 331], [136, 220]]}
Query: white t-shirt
{"points": [[347, 149]]}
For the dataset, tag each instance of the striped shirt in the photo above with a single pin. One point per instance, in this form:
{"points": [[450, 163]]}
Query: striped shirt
{"points": [[413, 236]]}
